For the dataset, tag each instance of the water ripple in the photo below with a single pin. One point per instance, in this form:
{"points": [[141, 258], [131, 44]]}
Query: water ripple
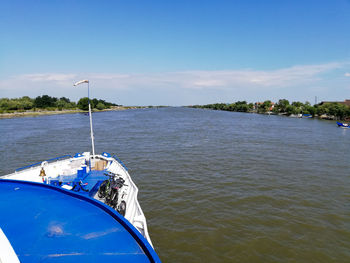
{"points": [[215, 186]]}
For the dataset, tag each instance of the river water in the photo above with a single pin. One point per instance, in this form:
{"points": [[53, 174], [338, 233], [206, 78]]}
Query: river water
{"points": [[215, 186]]}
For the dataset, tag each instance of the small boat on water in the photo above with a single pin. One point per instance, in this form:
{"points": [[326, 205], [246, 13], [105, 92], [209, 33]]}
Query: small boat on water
{"points": [[80, 208], [308, 116], [343, 125], [296, 115]]}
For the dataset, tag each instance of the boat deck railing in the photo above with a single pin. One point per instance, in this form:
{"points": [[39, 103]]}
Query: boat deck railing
{"points": [[49, 160], [120, 161]]}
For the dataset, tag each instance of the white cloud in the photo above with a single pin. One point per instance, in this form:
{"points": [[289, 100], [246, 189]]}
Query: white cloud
{"points": [[237, 82], [48, 77], [347, 74], [108, 76]]}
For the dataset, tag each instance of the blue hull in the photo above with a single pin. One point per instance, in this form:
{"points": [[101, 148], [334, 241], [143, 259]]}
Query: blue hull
{"points": [[45, 223], [343, 125]]}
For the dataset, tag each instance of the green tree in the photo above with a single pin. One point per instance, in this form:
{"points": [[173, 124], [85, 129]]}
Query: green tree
{"points": [[61, 104], [308, 109], [83, 103], [71, 105], [45, 101], [291, 109], [231, 107], [100, 106], [66, 100], [322, 109], [281, 106], [338, 110], [242, 106], [64, 103], [94, 103], [265, 106], [297, 104], [4, 103], [250, 106], [26, 103]]}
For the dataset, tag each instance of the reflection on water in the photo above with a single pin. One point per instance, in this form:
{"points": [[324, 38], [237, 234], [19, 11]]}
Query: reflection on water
{"points": [[215, 186]]}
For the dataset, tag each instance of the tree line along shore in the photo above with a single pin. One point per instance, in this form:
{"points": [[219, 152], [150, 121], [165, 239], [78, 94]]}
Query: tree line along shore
{"points": [[324, 110], [48, 103]]}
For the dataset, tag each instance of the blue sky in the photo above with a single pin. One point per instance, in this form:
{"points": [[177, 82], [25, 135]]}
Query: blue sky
{"points": [[176, 52]]}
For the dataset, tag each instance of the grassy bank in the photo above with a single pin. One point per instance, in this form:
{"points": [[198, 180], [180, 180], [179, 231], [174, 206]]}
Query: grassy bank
{"points": [[47, 105], [31, 113]]}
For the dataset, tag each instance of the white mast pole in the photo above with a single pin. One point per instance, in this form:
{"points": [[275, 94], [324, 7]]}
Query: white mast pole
{"points": [[91, 130]]}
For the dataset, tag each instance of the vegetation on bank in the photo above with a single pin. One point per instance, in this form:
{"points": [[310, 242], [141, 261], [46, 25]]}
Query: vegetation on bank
{"points": [[49, 103], [331, 110]]}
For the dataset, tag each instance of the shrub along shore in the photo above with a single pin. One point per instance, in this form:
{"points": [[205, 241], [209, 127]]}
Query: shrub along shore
{"points": [[46, 105], [331, 110]]}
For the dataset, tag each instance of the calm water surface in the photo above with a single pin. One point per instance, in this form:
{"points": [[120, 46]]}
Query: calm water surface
{"points": [[215, 186]]}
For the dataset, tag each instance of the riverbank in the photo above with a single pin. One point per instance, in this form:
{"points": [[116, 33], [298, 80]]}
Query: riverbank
{"points": [[323, 110], [31, 113], [304, 116]]}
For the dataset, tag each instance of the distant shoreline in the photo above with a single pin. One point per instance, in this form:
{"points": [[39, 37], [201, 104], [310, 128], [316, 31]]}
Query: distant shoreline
{"points": [[29, 113]]}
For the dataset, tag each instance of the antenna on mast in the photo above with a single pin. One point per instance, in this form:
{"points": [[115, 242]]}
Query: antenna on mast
{"points": [[91, 130]]}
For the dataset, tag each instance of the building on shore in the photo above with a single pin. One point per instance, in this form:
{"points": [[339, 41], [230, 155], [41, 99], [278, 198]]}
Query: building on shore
{"points": [[258, 104], [345, 102]]}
